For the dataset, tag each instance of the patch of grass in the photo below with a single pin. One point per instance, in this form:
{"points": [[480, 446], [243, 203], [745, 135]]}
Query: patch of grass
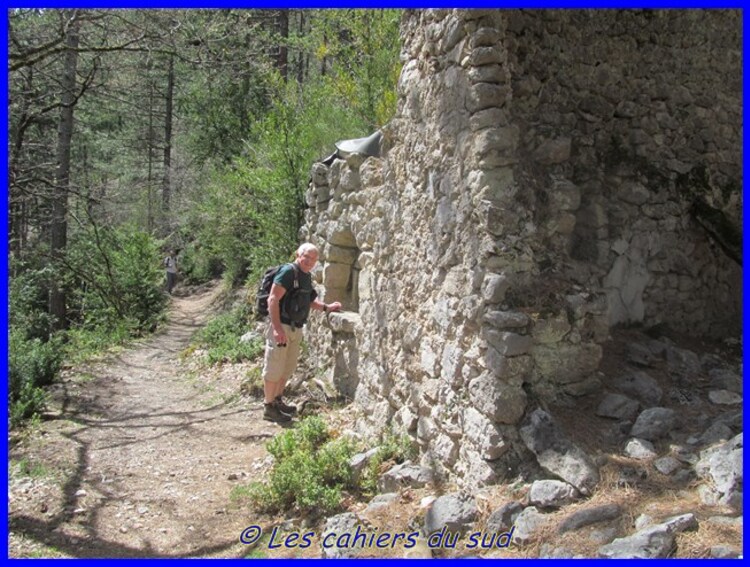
{"points": [[239, 494], [83, 344], [221, 338], [25, 467]]}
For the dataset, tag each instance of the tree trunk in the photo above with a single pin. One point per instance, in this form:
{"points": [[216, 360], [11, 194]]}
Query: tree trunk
{"points": [[282, 62], [166, 189], [301, 54], [150, 148], [17, 197], [59, 224], [324, 60]]}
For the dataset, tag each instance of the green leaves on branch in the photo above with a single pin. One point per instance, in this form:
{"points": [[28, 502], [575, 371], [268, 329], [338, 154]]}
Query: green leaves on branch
{"points": [[116, 275], [310, 471]]}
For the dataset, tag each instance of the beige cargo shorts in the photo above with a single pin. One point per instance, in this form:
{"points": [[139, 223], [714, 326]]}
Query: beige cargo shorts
{"points": [[280, 361]]}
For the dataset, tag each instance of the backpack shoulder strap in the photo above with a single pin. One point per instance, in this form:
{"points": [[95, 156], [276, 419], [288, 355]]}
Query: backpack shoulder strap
{"points": [[296, 275]]}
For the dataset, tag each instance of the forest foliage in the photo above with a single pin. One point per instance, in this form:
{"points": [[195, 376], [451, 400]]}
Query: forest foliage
{"points": [[135, 131]]}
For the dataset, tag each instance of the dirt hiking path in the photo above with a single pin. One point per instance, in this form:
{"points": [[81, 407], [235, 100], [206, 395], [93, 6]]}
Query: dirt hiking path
{"points": [[137, 459]]}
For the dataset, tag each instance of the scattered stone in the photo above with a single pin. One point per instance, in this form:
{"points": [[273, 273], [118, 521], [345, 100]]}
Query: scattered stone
{"points": [[723, 379], [455, 512], [716, 432], [654, 423], [640, 449], [722, 465], [640, 354], [684, 365], [589, 516], [341, 524], [724, 397], [658, 348], [724, 552], [502, 519], [643, 521], [427, 500], [552, 493], [685, 455], [549, 551], [642, 386], [617, 406], [557, 454], [601, 537], [651, 542], [381, 500], [666, 465], [359, 462], [404, 475], [732, 420], [527, 525]]}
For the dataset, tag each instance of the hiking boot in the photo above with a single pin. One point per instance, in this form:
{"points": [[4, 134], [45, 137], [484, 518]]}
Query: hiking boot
{"points": [[291, 410], [271, 412]]}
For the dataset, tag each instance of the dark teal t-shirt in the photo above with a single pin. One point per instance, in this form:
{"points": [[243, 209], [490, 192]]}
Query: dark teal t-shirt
{"points": [[295, 305]]}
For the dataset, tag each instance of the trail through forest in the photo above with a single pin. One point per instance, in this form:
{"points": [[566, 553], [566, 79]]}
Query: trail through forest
{"points": [[136, 458]]}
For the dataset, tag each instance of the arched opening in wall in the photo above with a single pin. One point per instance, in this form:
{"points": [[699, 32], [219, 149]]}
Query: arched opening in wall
{"points": [[341, 270]]}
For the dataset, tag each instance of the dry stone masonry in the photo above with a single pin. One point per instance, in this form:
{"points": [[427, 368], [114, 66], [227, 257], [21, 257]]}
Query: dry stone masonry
{"points": [[534, 190]]}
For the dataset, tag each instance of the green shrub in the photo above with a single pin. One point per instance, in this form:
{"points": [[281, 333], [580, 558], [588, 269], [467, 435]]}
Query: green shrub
{"points": [[86, 342], [115, 274], [33, 364], [310, 470], [30, 402], [199, 264], [221, 338], [28, 297], [32, 361]]}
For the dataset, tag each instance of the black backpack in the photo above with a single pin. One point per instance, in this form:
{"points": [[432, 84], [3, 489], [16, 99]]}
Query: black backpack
{"points": [[264, 290]]}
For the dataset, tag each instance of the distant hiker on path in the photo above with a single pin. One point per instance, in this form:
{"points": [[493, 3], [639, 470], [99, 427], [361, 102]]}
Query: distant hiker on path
{"points": [[292, 296], [170, 263]]}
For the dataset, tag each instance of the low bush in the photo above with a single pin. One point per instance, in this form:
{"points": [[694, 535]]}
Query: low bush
{"points": [[221, 338], [310, 471], [115, 275], [199, 265], [312, 468], [33, 364]]}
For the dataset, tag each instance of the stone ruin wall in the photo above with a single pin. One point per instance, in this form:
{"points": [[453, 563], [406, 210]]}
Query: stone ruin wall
{"points": [[532, 192]]}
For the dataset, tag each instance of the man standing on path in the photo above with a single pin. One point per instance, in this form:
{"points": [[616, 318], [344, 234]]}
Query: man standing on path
{"points": [[292, 296], [170, 263]]}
